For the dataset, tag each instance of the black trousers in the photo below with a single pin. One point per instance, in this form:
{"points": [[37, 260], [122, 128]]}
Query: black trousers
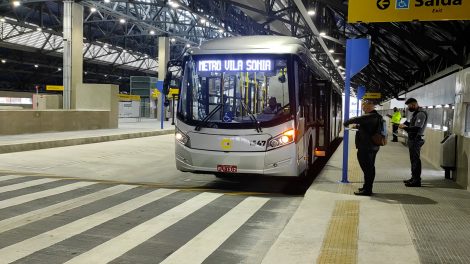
{"points": [[414, 147], [366, 158], [395, 132]]}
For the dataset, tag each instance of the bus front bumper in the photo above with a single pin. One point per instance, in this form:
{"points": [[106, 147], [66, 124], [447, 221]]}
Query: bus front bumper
{"points": [[277, 162]]}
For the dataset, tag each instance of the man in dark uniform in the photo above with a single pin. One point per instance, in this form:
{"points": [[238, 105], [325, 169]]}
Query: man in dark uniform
{"points": [[366, 150], [415, 129]]}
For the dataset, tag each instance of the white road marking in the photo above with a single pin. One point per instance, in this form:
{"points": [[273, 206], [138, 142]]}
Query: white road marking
{"points": [[29, 217], [29, 246], [22, 185], [38, 195], [121, 244], [206, 242]]}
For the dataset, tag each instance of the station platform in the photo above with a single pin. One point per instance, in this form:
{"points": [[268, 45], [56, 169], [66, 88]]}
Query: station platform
{"points": [[127, 128], [398, 224]]}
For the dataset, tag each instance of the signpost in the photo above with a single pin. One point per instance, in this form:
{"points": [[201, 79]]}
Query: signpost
{"points": [[407, 10]]}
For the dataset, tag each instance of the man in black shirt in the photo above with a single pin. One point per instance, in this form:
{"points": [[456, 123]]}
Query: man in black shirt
{"points": [[415, 129], [366, 149]]}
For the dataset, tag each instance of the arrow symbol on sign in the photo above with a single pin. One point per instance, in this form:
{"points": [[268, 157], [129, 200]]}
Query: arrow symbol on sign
{"points": [[383, 4]]}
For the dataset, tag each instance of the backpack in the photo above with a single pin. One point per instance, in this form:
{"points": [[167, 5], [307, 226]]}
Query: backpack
{"points": [[379, 138]]}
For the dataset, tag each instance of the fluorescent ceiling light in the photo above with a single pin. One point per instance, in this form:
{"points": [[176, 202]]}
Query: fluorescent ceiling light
{"points": [[122, 21], [16, 3], [331, 50], [322, 34], [311, 12], [152, 32], [92, 9]]}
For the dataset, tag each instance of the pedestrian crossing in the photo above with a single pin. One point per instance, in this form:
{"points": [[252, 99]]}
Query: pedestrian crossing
{"points": [[199, 223]]}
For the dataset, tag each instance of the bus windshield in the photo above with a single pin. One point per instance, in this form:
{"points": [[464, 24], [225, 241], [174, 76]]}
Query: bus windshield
{"points": [[234, 92]]}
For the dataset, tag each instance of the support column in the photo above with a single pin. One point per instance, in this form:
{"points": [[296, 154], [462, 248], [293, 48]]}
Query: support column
{"points": [[163, 57], [73, 52]]}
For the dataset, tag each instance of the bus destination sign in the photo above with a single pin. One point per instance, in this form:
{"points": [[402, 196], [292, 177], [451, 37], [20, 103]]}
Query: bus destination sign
{"points": [[248, 65]]}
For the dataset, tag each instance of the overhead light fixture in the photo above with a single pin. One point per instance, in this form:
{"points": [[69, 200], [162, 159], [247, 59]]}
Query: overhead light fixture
{"points": [[173, 4], [221, 31], [93, 10], [86, 73], [59, 69], [105, 46], [2, 19], [124, 51], [107, 1], [322, 34], [188, 45], [203, 21], [36, 66], [152, 32], [122, 21], [16, 3], [331, 51], [311, 12], [4, 61], [39, 29], [105, 76], [336, 60], [173, 39]]}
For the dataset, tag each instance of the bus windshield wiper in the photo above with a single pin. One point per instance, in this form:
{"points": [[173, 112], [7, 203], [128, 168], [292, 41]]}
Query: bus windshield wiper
{"points": [[252, 117], [205, 120]]}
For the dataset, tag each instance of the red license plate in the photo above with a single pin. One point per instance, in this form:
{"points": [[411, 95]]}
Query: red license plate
{"points": [[227, 168]]}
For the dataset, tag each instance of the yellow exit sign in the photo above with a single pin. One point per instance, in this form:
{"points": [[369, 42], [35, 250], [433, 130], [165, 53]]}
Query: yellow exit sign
{"points": [[54, 88], [372, 96], [407, 10]]}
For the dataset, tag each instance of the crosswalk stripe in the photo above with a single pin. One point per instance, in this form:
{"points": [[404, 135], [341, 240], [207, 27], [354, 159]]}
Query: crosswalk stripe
{"points": [[10, 177], [37, 195], [26, 218], [23, 185], [128, 240], [206, 242], [49, 238]]}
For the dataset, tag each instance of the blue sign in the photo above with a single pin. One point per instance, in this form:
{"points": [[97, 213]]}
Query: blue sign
{"points": [[228, 116], [402, 4], [234, 65], [159, 85]]}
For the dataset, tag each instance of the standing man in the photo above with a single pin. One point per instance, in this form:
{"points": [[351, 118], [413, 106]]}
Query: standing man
{"points": [[415, 129], [396, 117], [366, 150]]}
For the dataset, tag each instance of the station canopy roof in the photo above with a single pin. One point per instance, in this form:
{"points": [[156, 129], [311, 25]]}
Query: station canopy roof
{"points": [[124, 34]]}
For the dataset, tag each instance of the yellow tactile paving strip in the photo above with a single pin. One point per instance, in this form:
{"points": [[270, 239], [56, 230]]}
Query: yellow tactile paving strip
{"points": [[340, 243], [355, 176]]}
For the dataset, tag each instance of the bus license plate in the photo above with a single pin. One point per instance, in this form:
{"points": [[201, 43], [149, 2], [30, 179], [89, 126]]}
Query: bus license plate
{"points": [[227, 168]]}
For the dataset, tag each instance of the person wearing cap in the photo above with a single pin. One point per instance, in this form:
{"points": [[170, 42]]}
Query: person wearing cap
{"points": [[396, 117], [415, 129], [366, 150]]}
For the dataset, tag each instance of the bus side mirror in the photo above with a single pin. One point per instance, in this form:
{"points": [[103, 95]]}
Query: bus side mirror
{"points": [[166, 83]]}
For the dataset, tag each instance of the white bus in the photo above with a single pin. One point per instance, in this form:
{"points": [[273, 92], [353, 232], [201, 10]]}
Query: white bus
{"points": [[254, 105]]}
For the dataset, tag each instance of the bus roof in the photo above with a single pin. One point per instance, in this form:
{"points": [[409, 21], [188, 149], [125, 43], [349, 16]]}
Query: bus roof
{"points": [[250, 45]]}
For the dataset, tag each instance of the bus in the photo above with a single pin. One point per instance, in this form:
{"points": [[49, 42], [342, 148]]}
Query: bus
{"points": [[253, 105]]}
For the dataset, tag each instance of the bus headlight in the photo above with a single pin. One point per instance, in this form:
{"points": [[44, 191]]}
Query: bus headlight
{"points": [[181, 137], [283, 139]]}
